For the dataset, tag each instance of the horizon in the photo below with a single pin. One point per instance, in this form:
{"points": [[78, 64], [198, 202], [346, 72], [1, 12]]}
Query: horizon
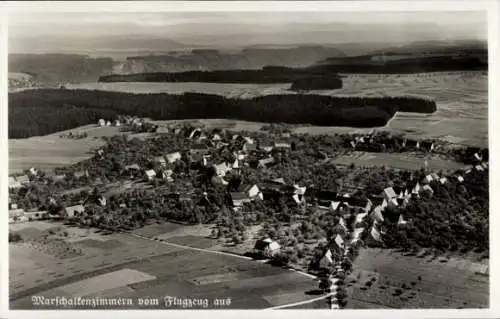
{"points": [[42, 32]]}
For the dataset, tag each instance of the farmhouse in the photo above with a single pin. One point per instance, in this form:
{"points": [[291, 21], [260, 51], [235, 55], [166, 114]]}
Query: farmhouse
{"points": [[101, 122], [196, 133], [356, 235], [117, 123], [173, 157], [338, 244], [33, 171], [252, 191], [16, 212], [70, 211], [443, 180], [167, 174], [427, 179], [267, 247], [149, 175], [479, 168], [360, 218], [216, 138], [375, 234]]}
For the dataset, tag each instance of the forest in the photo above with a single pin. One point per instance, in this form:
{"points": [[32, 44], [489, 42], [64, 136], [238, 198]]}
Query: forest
{"points": [[268, 74], [45, 111]]}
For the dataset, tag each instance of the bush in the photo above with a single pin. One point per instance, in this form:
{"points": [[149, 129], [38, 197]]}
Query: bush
{"points": [[14, 237]]}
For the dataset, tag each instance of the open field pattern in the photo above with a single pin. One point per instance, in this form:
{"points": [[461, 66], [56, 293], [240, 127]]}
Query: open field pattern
{"points": [[401, 161], [441, 285], [175, 273]]}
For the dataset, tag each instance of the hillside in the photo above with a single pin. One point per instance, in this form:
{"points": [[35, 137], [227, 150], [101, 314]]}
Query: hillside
{"points": [[53, 69], [21, 81], [41, 112]]}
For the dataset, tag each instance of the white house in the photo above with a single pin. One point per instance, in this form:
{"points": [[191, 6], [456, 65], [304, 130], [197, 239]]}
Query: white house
{"points": [[376, 214], [173, 157], [356, 235], [101, 122], [389, 194], [160, 160], [108, 123], [267, 247], [460, 179], [70, 211], [33, 171], [222, 169], [428, 178], [339, 242], [360, 218], [150, 175], [443, 180], [428, 188], [401, 221], [23, 179], [343, 224], [479, 168], [13, 183], [252, 191]]}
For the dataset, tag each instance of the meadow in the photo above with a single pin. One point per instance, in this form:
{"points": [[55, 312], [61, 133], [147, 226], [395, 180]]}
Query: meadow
{"points": [[124, 265], [399, 281]]}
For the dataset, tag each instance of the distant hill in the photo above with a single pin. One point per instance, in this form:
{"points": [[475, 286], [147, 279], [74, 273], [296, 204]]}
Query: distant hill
{"points": [[52, 69], [210, 60], [428, 56]]}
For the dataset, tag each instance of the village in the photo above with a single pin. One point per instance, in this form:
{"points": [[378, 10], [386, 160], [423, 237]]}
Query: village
{"points": [[313, 215]]}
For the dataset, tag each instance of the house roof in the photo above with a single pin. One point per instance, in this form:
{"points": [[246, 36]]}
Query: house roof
{"points": [[355, 201], [375, 234], [389, 192], [73, 209], [377, 200], [172, 157], [282, 145], [266, 243], [238, 195], [150, 173], [325, 195], [360, 217], [159, 159], [357, 232], [266, 161], [280, 180], [428, 188], [339, 241]]}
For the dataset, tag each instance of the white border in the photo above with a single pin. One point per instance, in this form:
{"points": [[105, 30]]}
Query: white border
{"points": [[492, 6]]}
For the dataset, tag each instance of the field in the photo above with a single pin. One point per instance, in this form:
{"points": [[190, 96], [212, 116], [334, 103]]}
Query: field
{"points": [[462, 101], [457, 283], [51, 151], [151, 268], [401, 161]]}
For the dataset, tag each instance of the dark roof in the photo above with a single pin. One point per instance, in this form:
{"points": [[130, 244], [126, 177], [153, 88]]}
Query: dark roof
{"points": [[355, 202], [238, 195], [377, 200], [411, 143], [325, 195]]}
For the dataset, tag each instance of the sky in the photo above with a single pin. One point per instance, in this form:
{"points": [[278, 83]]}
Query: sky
{"points": [[224, 28]]}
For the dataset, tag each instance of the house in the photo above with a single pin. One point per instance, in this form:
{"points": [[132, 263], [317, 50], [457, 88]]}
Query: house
{"points": [[298, 200], [222, 169], [427, 179], [443, 180], [167, 174], [335, 205], [478, 157], [416, 189], [279, 181], [198, 149], [353, 144], [108, 123], [248, 140], [266, 162], [485, 165], [339, 243], [249, 147], [236, 164], [33, 171], [102, 201], [216, 138], [70, 211], [435, 176], [360, 218], [326, 261], [149, 175], [375, 234], [117, 123], [323, 195], [13, 183], [376, 214], [428, 189], [252, 191], [356, 235], [389, 194], [267, 247], [101, 122], [343, 224], [239, 198], [219, 180], [411, 144], [160, 160], [266, 148], [479, 168], [23, 179], [196, 133], [401, 220], [173, 157]]}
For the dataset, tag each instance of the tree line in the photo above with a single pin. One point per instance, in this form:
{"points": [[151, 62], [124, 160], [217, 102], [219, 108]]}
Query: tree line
{"points": [[45, 111]]}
